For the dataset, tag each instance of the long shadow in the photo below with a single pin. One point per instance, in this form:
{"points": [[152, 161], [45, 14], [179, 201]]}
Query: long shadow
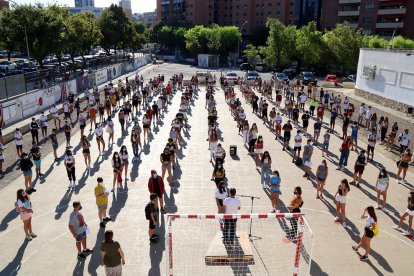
{"points": [[315, 269], [81, 182], [63, 204], [46, 174], [79, 267], [156, 250], [118, 202], [134, 173], [95, 257], [7, 219], [14, 266]]}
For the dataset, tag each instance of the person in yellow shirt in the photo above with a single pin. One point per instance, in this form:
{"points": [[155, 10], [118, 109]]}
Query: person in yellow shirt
{"points": [[102, 202]]}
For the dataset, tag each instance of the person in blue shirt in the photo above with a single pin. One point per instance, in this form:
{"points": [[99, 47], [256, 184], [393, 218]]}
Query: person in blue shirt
{"points": [[354, 135], [275, 181]]}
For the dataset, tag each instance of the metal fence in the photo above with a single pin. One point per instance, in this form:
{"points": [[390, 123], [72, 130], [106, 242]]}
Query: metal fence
{"points": [[15, 85]]}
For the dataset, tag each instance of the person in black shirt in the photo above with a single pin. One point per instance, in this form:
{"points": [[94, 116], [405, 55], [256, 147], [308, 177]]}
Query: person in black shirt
{"points": [[359, 168], [287, 129], [166, 160], [34, 130], [36, 154], [255, 104], [172, 148], [264, 112], [155, 111], [295, 114], [345, 125], [26, 166], [305, 121]]}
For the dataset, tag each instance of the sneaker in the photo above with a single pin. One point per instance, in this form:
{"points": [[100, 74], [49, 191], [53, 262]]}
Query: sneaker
{"points": [[87, 250], [354, 248], [364, 258], [29, 238], [398, 181], [33, 190], [74, 183], [33, 235], [344, 224], [336, 219], [338, 168], [378, 207], [81, 256], [70, 185], [396, 227], [405, 233], [102, 224], [107, 219], [162, 210]]}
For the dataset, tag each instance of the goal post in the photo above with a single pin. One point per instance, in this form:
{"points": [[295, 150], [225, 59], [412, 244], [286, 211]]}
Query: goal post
{"points": [[238, 244]]}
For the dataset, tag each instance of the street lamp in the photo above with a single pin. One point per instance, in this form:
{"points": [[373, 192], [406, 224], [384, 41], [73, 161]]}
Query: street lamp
{"points": [[25, 34], [395, 30], [238, 42]]}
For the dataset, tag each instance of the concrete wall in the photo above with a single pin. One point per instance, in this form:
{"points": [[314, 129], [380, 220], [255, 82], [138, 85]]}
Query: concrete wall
{"points": [[386, 77]]}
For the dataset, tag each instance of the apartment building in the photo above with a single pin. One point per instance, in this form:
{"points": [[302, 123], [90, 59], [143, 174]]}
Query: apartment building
{"points": [[377, 17], [237, 12], [84, 3], [4, 4]]}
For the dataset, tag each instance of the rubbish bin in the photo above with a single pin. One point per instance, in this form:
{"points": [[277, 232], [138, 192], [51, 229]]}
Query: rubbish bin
{"points": [[410, 110], [233, 150]]}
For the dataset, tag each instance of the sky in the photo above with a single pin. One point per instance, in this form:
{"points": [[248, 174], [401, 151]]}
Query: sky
{"points": [[138, 6]]}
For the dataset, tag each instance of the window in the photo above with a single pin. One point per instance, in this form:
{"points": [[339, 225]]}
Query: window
{"points": [[366, 31], [278, 4], [269, 13], [277, 12], [269, 4], [367, 20], [291, 12], [369, 7]]}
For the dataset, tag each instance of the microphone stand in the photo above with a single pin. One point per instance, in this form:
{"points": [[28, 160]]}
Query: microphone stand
{"points": [[251, 211]]}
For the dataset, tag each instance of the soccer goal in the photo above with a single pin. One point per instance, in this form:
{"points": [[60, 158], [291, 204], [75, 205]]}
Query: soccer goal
{"points": [[239, 244]]}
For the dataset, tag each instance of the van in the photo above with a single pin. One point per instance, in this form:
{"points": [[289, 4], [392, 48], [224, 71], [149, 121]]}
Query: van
{"points": [[261, 67]]}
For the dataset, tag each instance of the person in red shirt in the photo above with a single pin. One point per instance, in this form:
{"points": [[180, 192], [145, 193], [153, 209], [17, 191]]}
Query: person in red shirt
{"points": [[320, 111], [156, 186], [149, 113]]}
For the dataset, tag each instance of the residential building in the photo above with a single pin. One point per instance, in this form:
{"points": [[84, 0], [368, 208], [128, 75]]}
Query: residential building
{"points": [[4, 4], [126, 6], [84, 3], [149, 18], [376, 17]]}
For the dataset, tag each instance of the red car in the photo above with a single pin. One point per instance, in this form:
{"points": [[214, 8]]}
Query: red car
{"points": [[332, 78]]}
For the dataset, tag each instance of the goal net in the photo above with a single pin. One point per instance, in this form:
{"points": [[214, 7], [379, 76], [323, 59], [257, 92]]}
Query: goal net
{"points": [[239, 244]]}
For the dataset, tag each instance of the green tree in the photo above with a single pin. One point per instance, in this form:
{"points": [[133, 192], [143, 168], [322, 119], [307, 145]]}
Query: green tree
{"points": [[139, 27], [400, 42], [309, 45], [252, 53], [344, 44], [192, 40], [373, 41], [281, 43], [230, 36], [116, 29], [82, 33], [9, 33]]}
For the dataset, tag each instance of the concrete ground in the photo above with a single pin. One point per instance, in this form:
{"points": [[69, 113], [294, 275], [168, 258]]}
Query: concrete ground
{"points": [[53, 251]]}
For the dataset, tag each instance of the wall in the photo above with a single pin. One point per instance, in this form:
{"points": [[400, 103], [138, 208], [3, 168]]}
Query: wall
{"points": [[386, 77]]}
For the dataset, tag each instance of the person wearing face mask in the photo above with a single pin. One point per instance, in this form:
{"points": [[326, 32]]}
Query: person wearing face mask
{"points": [[77, 227], [156, 186], [166, 160], [26, 166], [123, 154], [99, 138], [219, 154], [219, 173], [294, 207], [321, 175], [405, 140], [70, 168], [117, 167]]}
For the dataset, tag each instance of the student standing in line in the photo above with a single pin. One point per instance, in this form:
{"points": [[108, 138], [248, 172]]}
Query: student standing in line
{"points": [[70, 168], [321, 176], [77, 227], [294, 207], [117, 168], [408, 213], [340, 201], [43, 124], [123, 154], [359, 167], [231, 206], [36, 154], [275, 181], [82, 122], [391, 137], [18, 137], [112, 255], [85, 144], [402, 165], [101, 196], [221, 194], [26, 167], [151, 214], [67, 129], [25, 208], [99, 138], [34, 130], [266, 170], [370, 225], [382, 188]]}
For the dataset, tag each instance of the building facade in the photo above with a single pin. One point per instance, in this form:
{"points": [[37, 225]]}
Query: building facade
{"points": [[4, 4], [126, 6], [96, 11], [84, 3], [235, 12], [376, 17]]}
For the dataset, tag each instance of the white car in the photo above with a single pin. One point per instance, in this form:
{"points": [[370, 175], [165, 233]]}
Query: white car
{"points": [[7, 65], [232, 77]]}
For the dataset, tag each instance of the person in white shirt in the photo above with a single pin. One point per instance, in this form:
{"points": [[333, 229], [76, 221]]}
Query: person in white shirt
{"points": [[361, 113], [231, 205], [404, 139], [278, 127], [66, 111], [221, 194], [298, 145], [372, 140], [368, 115], [18, 137], [99, 138], [43, 124], [55, 114], [303, 99]]}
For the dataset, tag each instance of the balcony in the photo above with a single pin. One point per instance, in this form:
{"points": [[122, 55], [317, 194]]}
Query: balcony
{"points": [[390, 25], [349, 1], [165, 2], [392, 11], [348, 13]]}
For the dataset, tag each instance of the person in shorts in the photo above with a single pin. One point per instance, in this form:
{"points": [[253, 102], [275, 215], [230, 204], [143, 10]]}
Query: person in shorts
{"points": [[18, 137], [25, 209], [317, 126], [153, 217], [370, 224], [359, 167], [101, 195], [325, 144], [156, 186], [372, 140], [77, 227], [298, 145], [354, 135], [287, 129], [307, 155], [36, 154], [408, 213]]}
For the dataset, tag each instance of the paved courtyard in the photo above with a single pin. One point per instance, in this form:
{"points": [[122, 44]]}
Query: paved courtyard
{"points": [[53, 251]]}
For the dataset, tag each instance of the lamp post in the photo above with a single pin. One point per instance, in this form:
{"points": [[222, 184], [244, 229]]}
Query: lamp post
{"points": [[238, 42], [25, 35], [395, 30]]}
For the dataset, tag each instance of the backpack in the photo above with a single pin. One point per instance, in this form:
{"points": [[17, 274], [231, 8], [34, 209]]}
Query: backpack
{"points": [[148, 211], [299, 161], [376, 230]]}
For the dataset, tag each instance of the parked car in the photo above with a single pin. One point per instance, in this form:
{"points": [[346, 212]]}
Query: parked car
{"points": [[251, 75], [7, 65], [246, 67], [3, 54], [281, 77], [331, 78], [261, 67], [15, 54], [290, 73], [22, 62], [307, 77], [231, 76]]}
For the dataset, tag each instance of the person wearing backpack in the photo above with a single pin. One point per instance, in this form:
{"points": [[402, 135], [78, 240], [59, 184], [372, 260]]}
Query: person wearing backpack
{"points": [[24, 207], [151, 214], [371, 230]]}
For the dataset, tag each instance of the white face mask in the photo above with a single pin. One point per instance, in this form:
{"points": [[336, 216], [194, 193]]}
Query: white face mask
{"points": [[154, 175]]}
